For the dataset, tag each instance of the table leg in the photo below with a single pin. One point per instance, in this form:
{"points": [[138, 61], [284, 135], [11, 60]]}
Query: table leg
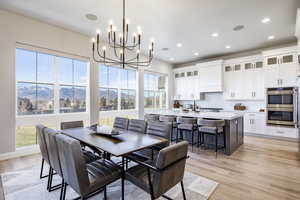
{"points": [[123, 176]]}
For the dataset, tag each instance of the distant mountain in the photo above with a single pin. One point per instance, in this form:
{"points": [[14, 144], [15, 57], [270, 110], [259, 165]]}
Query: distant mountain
{"points": [[45, 92]]}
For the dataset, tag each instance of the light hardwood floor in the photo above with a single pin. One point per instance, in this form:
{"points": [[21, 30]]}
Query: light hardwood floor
{"points": [[262, 169]]}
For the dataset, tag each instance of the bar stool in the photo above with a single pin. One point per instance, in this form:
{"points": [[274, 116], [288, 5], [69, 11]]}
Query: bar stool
{"points": [[170, 120], [151, 118], [212, 127], [187, 124]]}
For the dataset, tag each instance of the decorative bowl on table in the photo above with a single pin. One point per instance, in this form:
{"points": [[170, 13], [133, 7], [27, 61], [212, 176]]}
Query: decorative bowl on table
{"points": [[104, 130]]}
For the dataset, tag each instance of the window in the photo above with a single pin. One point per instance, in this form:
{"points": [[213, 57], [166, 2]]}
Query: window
{"points": [[128, 89], [154, 91], [35, 83], [42, 78], [116, 83], [73, 80]]}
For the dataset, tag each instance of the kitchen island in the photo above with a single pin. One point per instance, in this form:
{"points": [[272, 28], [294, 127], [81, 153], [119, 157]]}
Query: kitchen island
{"points": [[234, 130]]}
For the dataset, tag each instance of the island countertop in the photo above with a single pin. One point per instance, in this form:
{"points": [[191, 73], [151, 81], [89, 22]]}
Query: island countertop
{"points": [[210, 115]]}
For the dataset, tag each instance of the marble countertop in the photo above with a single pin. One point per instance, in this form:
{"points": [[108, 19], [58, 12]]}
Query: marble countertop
{"points": [[212, 115]]}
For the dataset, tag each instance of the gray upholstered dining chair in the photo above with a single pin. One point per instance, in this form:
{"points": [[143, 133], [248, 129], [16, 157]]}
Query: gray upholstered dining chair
{"points": [[85, 179], [159, 176], [50, 138], [71, 124], [212, 127], [121, 123], [151, 117], [43, 148], [79, 124], [169, 119], [137, 125], [187, 125], [157, 129]]}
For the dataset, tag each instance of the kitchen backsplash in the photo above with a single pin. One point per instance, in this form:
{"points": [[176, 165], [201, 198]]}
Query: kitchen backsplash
{"points": [[216, 100]]}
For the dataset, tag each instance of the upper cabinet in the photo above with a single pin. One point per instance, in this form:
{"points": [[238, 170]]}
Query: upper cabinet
{"points": [[190, 82], [243, 78], [186, 83], [211, 76], [281, 67]]}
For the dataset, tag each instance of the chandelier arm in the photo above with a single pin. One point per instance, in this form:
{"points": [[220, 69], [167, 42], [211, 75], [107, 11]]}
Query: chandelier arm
{"points": [[109, 59]]}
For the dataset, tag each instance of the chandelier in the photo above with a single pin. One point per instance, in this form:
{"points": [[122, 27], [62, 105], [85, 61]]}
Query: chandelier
{"points": [[123, 51]]}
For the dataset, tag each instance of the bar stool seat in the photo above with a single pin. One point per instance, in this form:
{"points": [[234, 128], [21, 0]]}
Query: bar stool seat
{"points": [[209, 129]]}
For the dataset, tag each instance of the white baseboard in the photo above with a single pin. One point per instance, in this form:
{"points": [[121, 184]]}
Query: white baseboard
{"points": [[25, 151]]}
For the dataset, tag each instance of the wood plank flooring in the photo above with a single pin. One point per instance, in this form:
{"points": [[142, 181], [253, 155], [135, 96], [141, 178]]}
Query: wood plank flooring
{"points": [[262, 169]]}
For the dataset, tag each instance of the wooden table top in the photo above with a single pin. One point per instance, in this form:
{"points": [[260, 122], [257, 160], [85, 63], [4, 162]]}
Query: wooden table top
{"points": [[125, 143]]}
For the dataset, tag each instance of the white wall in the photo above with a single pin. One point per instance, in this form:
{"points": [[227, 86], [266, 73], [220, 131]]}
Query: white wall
{"points": [[16, 28]]}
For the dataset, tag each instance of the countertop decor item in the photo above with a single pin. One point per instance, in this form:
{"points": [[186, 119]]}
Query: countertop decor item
{"points": [[121, 47], [239, 106]]}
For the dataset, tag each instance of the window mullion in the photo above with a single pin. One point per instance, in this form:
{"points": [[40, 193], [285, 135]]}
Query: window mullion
{"points": [[56, 85]]}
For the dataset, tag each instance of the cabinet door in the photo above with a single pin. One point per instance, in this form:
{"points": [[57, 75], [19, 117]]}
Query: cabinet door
{"points": [[288, 70], [257, 80], [247, 123], [237, 85], [228, 83], [271, 75], [260, 123]]}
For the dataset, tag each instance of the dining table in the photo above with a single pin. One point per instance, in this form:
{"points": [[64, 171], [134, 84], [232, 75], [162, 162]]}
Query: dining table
{"points": [[122, 144]]}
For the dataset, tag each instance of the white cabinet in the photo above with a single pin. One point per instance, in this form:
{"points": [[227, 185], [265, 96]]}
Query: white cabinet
{"points": [[281, 68], [210, 76], [243, 79], [255, 123], [186, 84]]}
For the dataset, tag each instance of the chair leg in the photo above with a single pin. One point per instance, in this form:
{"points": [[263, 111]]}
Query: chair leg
{"points": [[192, 140], [177, 135], [65, 191], [49, 179], [62, 189], [150, 184], [216, 144], [105, 193], [182, 189], [123, 179], [42, 169]]}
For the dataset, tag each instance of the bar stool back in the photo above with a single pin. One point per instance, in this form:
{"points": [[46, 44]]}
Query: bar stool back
{"points": [[171, 120], [151, 117], [212, 127]]}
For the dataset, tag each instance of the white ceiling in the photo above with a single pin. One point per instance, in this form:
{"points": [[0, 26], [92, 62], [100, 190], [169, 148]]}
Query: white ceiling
{"points": [[189, 22]]}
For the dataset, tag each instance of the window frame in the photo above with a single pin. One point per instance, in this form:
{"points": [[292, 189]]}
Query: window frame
{"points": [[56, 82]]}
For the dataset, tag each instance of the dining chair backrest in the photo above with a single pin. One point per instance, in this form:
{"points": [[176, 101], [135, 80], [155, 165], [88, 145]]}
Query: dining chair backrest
{"points": [[42, 142], [121, 123], [137, 125], [151, 117], [160, 129], [72, 163], [72, 124], [50, 137], [171, 163], [211, 123]]}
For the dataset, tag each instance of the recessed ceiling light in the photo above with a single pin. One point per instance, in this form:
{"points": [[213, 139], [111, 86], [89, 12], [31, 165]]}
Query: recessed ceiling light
{"points": [[238, 28], [179, 45], [265, 20], [196, 54], [91, 17], [228, 47], [172, 59], [214, 34], [271, 37], [165, 49]]}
